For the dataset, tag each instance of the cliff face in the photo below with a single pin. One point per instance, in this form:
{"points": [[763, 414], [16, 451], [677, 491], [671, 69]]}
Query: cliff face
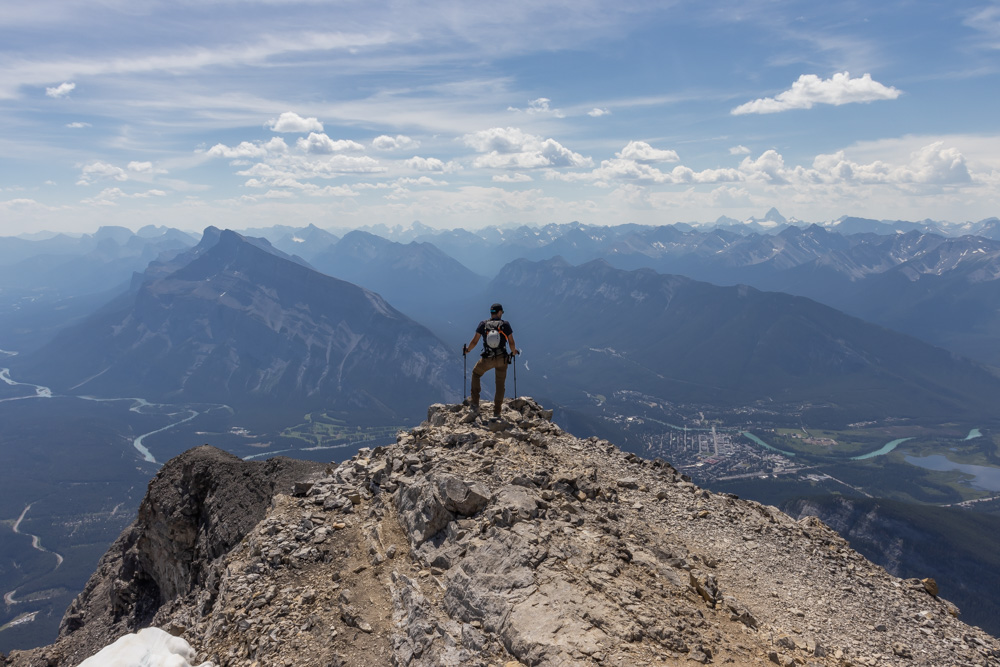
{"points": [[197, 508], [472, 543]]}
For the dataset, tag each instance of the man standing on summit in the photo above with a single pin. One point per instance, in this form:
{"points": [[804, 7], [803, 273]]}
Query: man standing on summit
{"points": [[496, 333]]}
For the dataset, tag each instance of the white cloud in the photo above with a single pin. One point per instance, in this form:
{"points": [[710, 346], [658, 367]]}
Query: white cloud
{"points": [[935, 164], [284, 181], [510, 148], [502, 140], [597, 112], [78, 125], [293, 169], [540, 106], [249, 150], [423, 180], [332, 191], [141, 167], [320, 144], [810, 90], [620, 169], [100, 171], [340, 164], [430, 164], [292, 122], [728, 196], [512, 178], [21, 205], [930, 165], [640, 151], [62, 90], [769, 167], [386, 143], [987, 20], [108, 196], [739, 150]]}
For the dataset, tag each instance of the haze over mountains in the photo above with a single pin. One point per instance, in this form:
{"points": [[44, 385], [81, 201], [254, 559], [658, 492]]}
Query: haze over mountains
{"points": [[417, 274], [47, 283]]}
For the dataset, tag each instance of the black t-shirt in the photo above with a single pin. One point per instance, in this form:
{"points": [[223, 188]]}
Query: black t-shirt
{"points": [[504, 327]]}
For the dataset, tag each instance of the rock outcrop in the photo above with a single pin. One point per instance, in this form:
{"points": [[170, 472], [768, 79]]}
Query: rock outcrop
{"points": [[196, 509], [512, 542]]}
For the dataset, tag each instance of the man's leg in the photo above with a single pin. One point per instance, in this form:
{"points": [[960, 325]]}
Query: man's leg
{"points": [[501, 373], [477, 376]]}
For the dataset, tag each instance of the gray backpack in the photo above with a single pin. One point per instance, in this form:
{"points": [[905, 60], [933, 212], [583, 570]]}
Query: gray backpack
{"points": [[495, 341]]}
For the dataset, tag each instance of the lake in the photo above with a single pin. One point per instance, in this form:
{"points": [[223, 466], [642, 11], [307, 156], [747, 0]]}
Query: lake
{"points": [[983, 477]]}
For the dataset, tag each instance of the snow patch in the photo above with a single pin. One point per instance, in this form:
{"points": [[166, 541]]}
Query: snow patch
{"points": [[150, 647]]}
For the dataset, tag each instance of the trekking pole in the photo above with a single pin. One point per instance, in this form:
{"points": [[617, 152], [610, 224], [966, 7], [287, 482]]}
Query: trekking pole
{"points": [[465, 369], [514, 358]]}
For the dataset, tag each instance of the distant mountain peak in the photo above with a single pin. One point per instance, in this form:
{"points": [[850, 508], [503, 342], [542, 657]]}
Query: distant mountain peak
{"points": [[774, 216], [244, 324]]}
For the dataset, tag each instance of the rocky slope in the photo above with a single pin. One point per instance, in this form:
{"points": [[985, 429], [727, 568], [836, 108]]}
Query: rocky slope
{"points": [[498, 543]]}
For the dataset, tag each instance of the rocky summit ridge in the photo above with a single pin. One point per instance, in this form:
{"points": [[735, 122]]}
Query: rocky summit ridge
{"points": [[510, 542]]}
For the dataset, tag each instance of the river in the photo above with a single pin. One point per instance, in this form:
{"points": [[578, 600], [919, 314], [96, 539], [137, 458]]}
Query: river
{"points": [[763, 444], [886, 448], [138, 405], [40, 391], [36, 542]]}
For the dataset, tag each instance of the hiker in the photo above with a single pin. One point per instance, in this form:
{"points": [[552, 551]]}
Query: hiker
{"points": [[496, 333]]}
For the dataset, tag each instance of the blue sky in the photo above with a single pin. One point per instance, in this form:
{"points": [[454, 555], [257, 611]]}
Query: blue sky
{"points": [[346, 113]]}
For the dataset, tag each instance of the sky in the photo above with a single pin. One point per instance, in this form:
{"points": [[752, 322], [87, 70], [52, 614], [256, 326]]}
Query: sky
{"points": [[344, 113]]}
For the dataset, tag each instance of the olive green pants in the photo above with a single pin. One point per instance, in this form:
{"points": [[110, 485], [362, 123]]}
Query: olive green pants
{"points": [[497, 364]]}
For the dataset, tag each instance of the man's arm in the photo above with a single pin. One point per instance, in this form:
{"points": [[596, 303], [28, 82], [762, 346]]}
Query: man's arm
{"points": [[472, 345], [509, 335]]}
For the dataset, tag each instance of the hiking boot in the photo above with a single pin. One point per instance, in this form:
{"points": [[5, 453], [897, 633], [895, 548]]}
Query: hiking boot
{"points": [[474, 408]]}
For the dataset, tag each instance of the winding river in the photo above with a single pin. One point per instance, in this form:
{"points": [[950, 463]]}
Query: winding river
{"points": [[40, 391], [36, 543], [139, 405], [886, 448]]}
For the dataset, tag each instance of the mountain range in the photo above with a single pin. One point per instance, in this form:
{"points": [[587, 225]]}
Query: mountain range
{"points": [[933, 281], [600, 329], [416, 275], [912, 278], [233, 321]]}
